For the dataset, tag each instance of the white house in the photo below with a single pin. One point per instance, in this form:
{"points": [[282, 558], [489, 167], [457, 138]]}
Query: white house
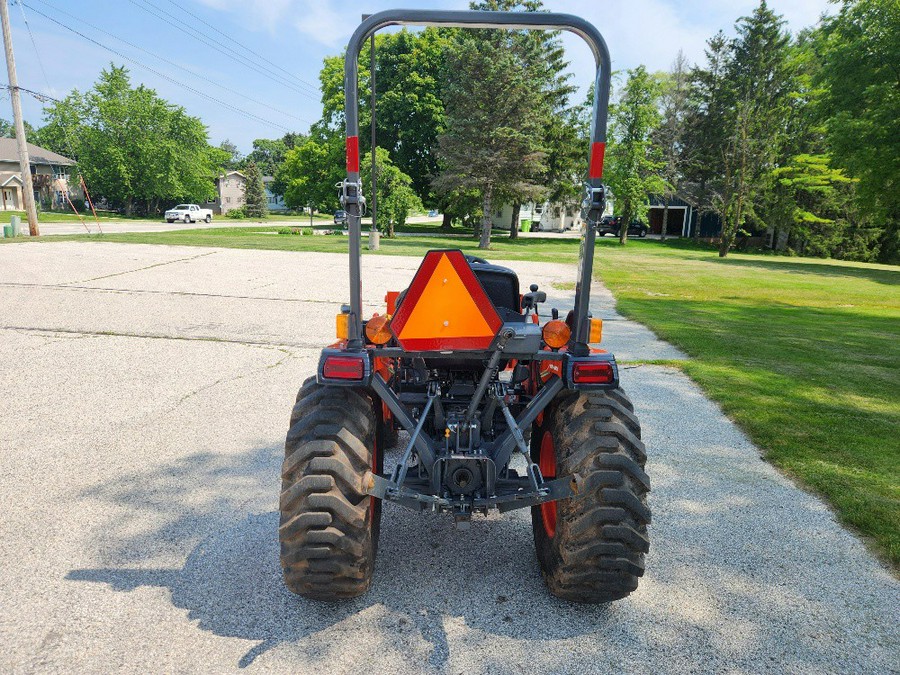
{"points": [[550, 216]]}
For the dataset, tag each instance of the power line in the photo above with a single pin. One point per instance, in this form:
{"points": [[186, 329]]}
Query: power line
{"points": [[43, 98], [247, 63], [244, 47], [165, 60], [224, 104]]}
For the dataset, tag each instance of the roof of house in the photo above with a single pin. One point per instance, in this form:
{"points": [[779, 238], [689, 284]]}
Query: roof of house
{"points": [[6, 177], [231, 173], [9, 152]]}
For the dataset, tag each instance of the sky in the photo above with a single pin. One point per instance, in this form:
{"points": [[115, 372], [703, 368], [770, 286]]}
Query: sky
{"points": [[249, 68]]}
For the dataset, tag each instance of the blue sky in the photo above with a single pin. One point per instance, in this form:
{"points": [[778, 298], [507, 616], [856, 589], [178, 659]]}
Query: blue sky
{"points": [[296, 35]]}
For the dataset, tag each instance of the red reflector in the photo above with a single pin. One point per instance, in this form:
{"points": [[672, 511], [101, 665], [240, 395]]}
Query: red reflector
{"points": [[352, 154], [343, 368], [593, 373], [596, 167]]}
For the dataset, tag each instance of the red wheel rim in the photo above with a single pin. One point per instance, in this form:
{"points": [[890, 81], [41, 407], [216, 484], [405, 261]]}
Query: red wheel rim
{"points": [[547, 465]]}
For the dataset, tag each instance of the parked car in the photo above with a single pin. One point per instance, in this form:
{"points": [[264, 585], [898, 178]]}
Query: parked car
{"points": [[189, 213], [340, 217], [612, 224]]}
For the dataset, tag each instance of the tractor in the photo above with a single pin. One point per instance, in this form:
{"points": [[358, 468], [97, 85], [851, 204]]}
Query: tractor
{"points": [[481, 378]]}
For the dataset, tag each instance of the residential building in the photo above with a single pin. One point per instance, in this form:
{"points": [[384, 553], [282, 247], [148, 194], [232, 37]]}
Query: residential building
{"points": [[230, 193], [544, 216], [51, 177]]}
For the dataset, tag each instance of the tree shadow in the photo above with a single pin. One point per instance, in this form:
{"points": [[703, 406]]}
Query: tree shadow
{"points": [[794, 266], [231, 584], [725, 584]]}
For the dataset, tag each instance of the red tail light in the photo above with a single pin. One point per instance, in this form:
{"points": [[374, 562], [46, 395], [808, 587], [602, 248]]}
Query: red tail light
{"points": [[593, 373], [343, 368]]}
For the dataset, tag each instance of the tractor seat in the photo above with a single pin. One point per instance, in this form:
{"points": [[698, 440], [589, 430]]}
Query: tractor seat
{"points": [[501, 285]]}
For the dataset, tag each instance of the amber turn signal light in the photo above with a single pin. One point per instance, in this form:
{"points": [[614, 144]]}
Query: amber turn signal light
{"points": [[378, 329], [596, 331], [342, 326], [556, 333]]}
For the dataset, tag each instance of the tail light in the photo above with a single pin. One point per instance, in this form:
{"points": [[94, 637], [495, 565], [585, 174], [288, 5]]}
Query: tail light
{"points": [[344, 368], [593, 372]]}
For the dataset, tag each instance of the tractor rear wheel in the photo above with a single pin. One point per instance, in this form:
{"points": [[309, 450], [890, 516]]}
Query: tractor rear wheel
{"points": [[591, 547], [329, 525]]}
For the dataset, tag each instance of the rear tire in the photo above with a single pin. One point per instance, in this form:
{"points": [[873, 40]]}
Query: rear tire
{"points": [[329, 526], [591, 547], [208, 219]]}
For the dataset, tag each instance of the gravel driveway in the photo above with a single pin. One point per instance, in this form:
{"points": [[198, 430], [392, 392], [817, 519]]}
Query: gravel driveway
{"points": [[145, 394]]}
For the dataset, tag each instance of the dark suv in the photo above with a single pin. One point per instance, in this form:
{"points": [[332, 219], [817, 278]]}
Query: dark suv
{"points": [[611, 225]]}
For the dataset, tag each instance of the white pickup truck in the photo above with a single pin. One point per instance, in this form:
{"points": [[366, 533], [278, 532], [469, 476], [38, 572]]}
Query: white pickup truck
{"points": [[188, 213]]}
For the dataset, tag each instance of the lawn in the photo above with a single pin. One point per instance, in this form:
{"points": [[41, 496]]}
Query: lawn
{"points": [[803, 354], [267, 237]]}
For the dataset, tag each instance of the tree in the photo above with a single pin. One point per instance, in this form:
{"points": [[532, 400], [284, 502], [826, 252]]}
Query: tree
{"points": [[133, 147], [396, 197], [233, 157], [311, 170], [255, 203], [860, 52], [669, 137], [541, 56], [492, 127], [633, 163], [757, 86]]}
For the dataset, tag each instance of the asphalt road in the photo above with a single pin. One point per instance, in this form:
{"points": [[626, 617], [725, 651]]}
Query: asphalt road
{"points": [[145, 395]]}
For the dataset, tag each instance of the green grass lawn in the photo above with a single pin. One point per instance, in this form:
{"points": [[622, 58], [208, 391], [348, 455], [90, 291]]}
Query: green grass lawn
{"points": [[803, 354], [267, 237]]}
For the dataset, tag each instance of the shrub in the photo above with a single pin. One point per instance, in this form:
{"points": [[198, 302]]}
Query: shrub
{"points": [[235, 213]]}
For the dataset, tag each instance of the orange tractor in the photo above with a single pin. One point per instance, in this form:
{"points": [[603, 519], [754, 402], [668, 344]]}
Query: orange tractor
{"points": [[504, 407]]}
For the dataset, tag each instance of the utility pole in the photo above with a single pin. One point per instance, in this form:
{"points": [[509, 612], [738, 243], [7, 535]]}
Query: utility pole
{"points": [[24, 163]]}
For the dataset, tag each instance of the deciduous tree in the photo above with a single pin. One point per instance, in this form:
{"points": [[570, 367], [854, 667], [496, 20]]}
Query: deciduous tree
{"points": [[634, 165]]}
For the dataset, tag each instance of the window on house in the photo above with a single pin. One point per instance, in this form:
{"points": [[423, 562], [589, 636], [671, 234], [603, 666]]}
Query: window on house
{"points": [[227, 200], [60, 172]]}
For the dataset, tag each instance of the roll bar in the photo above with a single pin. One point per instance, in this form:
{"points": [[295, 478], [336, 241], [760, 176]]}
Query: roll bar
{"points": [[594, 200]]}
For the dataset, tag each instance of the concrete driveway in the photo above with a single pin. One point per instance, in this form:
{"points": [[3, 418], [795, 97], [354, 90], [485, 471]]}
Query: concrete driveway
{"points": [[145, 395]]}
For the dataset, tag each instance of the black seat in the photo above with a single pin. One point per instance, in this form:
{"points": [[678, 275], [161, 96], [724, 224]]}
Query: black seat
{"points": [[501, 285]]}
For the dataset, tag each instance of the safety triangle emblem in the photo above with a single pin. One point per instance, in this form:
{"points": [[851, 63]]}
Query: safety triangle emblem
{"points": [[445, 307]]}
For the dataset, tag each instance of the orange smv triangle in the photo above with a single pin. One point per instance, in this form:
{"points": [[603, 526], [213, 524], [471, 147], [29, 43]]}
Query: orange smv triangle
{"points": [[445, 314]]}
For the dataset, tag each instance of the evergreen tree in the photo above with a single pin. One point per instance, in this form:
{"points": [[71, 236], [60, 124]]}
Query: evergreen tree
{"points": [[758, 86], [669, 137], [493, 125], [255, 203]]}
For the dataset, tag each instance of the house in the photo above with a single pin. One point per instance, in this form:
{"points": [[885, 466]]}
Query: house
{"points": [[550, 216], [50, 177], [230, 193]]}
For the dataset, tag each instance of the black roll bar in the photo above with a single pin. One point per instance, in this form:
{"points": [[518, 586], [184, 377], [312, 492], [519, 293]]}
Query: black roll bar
{"points": [[352, 188]]}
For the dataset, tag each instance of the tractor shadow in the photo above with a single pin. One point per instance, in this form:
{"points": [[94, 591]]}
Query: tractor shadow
{"points": [[230, 583]]}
